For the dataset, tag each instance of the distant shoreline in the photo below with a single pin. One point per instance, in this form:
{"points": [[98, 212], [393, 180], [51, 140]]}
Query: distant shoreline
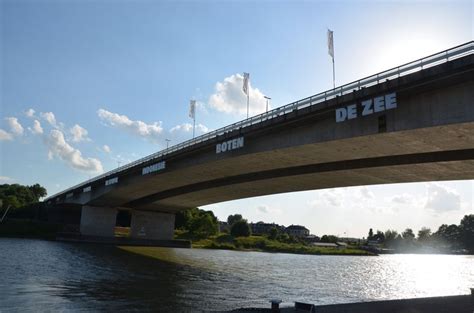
{"points": [[31, 229], [264, 244]]}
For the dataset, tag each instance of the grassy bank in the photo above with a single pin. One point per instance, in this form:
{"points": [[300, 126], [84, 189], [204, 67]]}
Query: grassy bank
{"points": [[28, 229], [264, 244]]}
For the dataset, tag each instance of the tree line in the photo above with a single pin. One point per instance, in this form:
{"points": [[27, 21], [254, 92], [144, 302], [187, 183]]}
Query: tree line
{"points": [[448, 237], [17, 196], [201, 224]]}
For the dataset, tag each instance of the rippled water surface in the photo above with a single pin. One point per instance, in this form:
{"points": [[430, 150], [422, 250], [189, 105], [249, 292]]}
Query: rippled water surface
{"points": [[43, 276]]}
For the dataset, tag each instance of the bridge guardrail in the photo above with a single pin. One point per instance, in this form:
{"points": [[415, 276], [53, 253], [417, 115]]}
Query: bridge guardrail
{"points": [[396, 72]]}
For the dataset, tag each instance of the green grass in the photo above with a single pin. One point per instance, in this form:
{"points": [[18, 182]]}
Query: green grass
{"points": [[261, 243]]}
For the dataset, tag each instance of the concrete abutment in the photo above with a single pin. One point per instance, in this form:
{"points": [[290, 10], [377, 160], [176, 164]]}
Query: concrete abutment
{"points": [[149, 225], [152, 225], [98, 221]]}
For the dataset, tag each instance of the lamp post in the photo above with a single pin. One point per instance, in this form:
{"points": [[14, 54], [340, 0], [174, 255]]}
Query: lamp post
{"points": [[268, 98], [167, 143]]}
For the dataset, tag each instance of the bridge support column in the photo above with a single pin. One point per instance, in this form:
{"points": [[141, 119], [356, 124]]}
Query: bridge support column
{"points": [[152, 225], [98, 221]]}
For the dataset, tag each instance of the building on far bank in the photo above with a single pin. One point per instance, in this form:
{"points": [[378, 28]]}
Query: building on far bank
{"points": [[261, 228], [297, 231], [312, 238]]}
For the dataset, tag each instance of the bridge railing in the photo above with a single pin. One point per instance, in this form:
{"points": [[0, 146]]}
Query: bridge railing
{"points": [[396, 72]]}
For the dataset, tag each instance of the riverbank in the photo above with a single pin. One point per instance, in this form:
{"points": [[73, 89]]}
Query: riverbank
{"points": [[41, 230], [22, 228], [264, 244]]}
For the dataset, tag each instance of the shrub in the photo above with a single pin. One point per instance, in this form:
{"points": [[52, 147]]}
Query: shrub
{"points": [[240, 229]]}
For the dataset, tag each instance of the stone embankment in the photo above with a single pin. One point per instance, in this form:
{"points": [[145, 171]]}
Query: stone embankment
{"points": [[447, 304]]}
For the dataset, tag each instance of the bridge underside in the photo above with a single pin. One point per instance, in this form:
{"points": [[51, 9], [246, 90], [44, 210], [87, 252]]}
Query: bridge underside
{"points": [[429, 154]]}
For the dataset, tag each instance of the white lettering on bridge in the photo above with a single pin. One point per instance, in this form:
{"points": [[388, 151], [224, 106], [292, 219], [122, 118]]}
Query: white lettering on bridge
{"points": [[233, 144], [154, 168], [371, 106], [111, 181]]}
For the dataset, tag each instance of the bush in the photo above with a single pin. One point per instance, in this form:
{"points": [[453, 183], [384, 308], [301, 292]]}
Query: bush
{"points": [[240, 229], [196, 223]]}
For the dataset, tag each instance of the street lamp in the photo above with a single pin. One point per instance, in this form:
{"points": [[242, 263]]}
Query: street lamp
{"points": [[268, 98], [167, 143]]}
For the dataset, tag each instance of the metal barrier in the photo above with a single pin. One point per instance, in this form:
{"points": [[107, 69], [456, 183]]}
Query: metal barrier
{"points": [[396, 72]]}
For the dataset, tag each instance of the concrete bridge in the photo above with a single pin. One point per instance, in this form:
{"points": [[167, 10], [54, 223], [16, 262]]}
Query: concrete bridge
{"points": [[412, 123]]}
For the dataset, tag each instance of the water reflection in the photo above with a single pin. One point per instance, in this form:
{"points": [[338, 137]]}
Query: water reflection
{"points": [[61, 277]]}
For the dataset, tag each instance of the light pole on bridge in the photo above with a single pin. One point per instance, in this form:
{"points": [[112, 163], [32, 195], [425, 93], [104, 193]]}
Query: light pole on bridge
{"points": [[268, 98]]}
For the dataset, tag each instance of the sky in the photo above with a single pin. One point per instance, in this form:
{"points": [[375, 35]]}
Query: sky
{"points": [[86, 86]]}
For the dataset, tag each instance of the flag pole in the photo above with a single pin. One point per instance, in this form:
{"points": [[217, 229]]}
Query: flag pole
{"points": [[333, 74], [246, 90], [247, 105], [192, 114]]}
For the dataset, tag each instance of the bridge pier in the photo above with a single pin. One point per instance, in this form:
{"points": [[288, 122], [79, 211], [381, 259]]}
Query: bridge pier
{"points": [[152, 225], [98, 221]]}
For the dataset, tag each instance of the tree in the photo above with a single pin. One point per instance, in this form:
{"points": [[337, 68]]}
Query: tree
{"points": [[392, 238], [371, 234], [329, 238], [203, 225], [197, 222], [379, 236], [273, 233], [448, 233], [424, 234], [38, 191], [390, 235], [232, 219], [283, 237], [11, 201], [240, 229], [408, 234], [466, 232], [183, 218], [18, 196]]}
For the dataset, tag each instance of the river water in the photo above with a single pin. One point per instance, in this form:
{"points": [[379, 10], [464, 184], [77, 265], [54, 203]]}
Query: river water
{"points": [[45, 276]]}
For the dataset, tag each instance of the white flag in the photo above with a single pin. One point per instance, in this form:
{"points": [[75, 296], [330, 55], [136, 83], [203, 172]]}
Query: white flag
{"points": [[245, 87], [192, 109], [330, 43]]}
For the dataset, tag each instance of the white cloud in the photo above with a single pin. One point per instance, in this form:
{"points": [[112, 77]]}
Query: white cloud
{"points": [[366, 193], [78, 133], [5, 135], [187, 128], [442, 199], [58, 147], [5, 179], [331, 197], [402, 199], [184, 132], [50, 118], [229, 97], [36, 129], [30, 113], [106, 148], [15, 126], [265, 209], [151, 132]]}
